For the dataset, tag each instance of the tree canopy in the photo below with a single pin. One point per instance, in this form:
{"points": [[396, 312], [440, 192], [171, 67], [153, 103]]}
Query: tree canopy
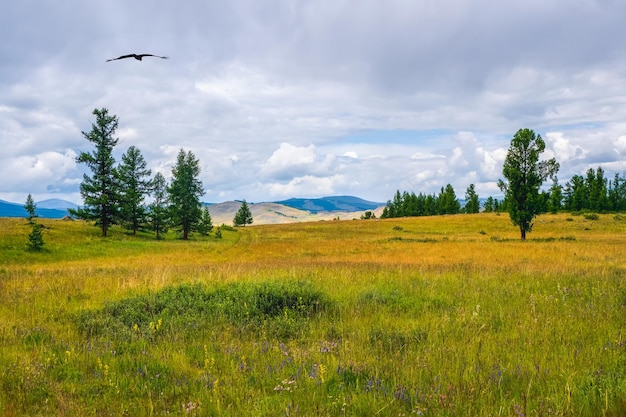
{"points": [[525, 174]]}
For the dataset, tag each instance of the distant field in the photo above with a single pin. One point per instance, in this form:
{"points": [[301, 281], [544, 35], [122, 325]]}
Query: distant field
{"points": [[431, 316]]}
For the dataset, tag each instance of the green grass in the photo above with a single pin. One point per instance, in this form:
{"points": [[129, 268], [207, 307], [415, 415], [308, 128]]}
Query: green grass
{"points": [[437, 316]]}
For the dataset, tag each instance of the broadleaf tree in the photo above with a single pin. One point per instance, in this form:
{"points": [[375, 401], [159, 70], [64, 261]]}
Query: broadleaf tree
{"points": [[524, 174], [184, 192], [134, 180], [100, 191]]}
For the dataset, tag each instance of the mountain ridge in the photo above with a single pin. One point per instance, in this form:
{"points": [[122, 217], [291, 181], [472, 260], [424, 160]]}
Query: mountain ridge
{"points": [[286, 211]]}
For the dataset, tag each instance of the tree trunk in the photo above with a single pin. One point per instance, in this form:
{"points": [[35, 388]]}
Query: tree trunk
{"points": [[523, 232]]}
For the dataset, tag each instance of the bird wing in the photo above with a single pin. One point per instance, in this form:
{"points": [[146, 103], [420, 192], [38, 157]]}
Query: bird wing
{"points": [[121, 57], [156, 56]]}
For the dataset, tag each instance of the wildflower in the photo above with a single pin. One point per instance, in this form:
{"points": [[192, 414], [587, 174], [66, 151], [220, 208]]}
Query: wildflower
{"points": [[190, 406], [322, 370]]}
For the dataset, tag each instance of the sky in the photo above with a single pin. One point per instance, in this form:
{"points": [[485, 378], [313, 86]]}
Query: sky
{"points": [[311, 98]]}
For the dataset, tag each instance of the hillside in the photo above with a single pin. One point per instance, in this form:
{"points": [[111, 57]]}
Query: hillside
{"points": [[331, 204], [288, 211], [8, 209], [276, 213]]}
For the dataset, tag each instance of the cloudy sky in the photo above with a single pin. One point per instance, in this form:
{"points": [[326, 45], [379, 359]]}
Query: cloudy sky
{"points": [[311, 98]]}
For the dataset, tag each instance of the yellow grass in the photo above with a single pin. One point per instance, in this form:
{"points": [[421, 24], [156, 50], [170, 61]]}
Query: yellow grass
{"points": [[484, 286]]}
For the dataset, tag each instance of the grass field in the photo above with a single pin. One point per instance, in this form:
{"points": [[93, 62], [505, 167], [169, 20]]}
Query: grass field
{"points": [[433, 316]]}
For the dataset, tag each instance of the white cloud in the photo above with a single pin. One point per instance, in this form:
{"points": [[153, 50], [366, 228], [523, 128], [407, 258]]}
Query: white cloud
{"points": [[306, 186], [563, 147], [620, 143], [367, 100]]}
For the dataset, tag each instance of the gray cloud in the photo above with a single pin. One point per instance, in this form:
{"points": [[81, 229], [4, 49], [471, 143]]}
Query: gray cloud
{"points": [[305, 98]]}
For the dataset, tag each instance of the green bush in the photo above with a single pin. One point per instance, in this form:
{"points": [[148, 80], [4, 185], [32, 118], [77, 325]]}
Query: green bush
{"points": [[279, 306]]}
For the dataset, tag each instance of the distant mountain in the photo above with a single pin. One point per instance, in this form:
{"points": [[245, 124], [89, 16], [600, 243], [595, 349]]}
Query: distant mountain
{"points": [[56, 203], [330, 204], [275, 213], [17, 210], [287, 211]]}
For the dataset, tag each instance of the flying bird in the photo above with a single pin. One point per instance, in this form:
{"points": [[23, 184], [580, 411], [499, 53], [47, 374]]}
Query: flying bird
{"points": [[138, 57]]}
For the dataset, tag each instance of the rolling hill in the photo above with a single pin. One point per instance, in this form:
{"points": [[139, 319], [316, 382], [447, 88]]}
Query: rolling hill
{"points": [[287, 211], [331, 204], [8, 209]]}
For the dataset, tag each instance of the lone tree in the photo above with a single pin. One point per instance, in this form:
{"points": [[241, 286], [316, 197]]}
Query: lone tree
{"points": [[243, 215], [134, 180], [30, 208], [184, 192], [100, 191], [525, 174]]}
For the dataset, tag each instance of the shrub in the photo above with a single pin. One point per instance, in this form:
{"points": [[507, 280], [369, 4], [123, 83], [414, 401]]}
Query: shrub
{"points": [[280, 306]]}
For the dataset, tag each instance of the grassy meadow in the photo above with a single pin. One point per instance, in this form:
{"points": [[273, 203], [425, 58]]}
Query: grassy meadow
{"points": [[431, 316]]}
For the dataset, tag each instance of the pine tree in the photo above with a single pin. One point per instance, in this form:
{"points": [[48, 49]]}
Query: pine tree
{"points": [[555, 202], [133, 177], [575, 193], [472, 203], [243, 215], [100, 192], [448, 203], [30, 208], [184, 192], [205, 225], [489, 205], [35, 238], [158, 213]]}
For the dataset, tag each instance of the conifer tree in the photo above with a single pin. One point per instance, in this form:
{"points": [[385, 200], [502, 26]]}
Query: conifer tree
{"points": [[30, 208], [555, 202], [472, 203], [448, 203], [158, 213], [35, 238], [184, 192], [243, 215], [100, 191], [133, 178], [205, 225]]}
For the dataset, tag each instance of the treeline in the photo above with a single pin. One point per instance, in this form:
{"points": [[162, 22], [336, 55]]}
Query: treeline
{"points": [[116, 193], [592, 192]]}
